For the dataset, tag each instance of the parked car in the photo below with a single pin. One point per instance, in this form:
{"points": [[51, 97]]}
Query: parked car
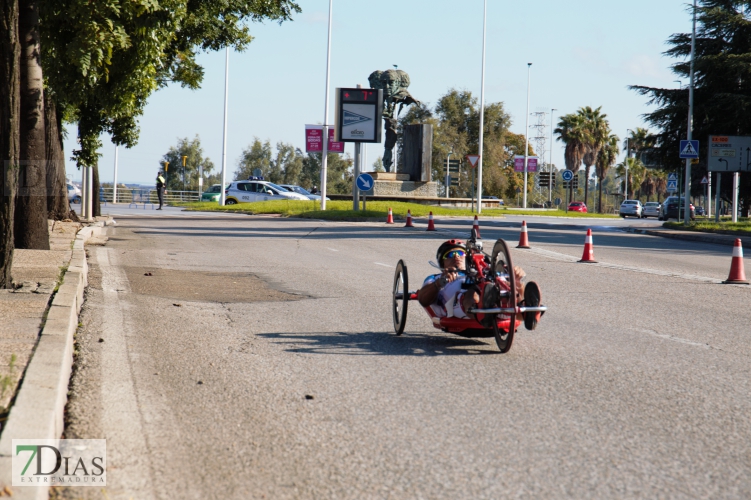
{"points": [[630, 207], [651, 209], [213, 193], [577, 206], [301, 190], [493, 198], [700, 211], [250, 191], [670, 210], [74, 193]]}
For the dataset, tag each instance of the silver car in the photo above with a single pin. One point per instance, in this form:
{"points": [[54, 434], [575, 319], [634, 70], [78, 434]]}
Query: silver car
{"points": [[651, 209], [632, 208]]}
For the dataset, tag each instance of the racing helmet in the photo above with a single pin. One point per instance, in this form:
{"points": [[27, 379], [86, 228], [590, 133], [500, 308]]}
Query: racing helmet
{"points": [[446, 246]]}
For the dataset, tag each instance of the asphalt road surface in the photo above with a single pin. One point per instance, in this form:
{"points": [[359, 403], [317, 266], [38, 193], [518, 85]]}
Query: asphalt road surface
{"points": [[258, 360]]}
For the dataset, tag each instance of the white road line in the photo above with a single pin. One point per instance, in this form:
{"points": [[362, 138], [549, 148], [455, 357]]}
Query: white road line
{"points": [[671, 338], [335, 250], [381, 264]]}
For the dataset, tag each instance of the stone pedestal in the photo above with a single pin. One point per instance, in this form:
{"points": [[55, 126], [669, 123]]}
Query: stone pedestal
{"points": [[397, 184]]}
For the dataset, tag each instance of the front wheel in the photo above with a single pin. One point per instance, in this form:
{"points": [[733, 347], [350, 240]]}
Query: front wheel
{"points": [[230, 202], [501, 263], [400, 297]]}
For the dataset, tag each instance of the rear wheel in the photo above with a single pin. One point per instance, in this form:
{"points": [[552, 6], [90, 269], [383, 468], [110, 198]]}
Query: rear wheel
{"points": [[501, 263], [230, 201], [400, 297]]}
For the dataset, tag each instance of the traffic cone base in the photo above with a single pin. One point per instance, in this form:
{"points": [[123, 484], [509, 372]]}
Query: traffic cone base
{"points": [[589, 252], [737, 274], [409, 219], [431, 225], [476, 227], [390, 218], [523, 238]]}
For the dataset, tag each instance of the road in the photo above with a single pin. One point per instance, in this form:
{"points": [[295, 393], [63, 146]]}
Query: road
{"points": [[258, 361]]}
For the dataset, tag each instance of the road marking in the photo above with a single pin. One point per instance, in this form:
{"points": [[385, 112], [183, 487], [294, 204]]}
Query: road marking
{"points": [[335, 250], [665, 336], [381, 264]]}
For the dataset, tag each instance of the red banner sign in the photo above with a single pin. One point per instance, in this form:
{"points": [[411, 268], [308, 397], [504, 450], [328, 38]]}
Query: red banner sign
{"points": [[313, 136]]}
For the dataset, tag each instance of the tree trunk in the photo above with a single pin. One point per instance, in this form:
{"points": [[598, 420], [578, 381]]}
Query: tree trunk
{"points": [[58, 207], [31, 201], [587, 171], [96, 207], [599, 196], [10, 99]]}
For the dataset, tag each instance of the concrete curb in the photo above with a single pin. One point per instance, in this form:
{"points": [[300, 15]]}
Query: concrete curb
{"points": [[38, 412], [716, 238]]}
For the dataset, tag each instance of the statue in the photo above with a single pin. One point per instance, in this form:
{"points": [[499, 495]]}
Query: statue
{"points": [[394, 83]]}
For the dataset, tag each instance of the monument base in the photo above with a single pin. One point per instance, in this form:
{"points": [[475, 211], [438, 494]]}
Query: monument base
{"points": [[396, 184]]}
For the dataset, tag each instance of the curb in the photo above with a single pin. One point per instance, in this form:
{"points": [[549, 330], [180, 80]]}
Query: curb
{"points": [[38, 412], [719, 239]]}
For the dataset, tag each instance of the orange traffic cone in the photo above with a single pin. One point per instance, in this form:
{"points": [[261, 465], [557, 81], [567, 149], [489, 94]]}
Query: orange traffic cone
{"points": [[589, 250], [409, 219], [476, 227], [390, 218], [431, 226], [737, 276], [523, 239]]}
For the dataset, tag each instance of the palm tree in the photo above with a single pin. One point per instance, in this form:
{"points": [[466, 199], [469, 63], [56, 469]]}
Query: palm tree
{"points": [[636, 172], [640, 140], [571, 132], [596, 135], [605, 160]]}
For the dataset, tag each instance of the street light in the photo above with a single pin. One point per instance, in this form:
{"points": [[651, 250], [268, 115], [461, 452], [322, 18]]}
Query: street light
{"points": [[526, 136], [482, 111], [680, 84], [550, 167], [325, 149], [625, 163], [448, 172]]}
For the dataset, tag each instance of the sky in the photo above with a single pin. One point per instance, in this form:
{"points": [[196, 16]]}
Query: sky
{"points": [[583, 53]]}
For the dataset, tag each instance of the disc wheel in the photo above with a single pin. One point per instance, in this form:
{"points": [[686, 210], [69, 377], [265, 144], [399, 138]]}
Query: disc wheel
{"points": [[400, 297], [501, 262]]}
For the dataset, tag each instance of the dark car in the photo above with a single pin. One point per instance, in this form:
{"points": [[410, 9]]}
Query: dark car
{"points": [[670, 209], [700, 211]]}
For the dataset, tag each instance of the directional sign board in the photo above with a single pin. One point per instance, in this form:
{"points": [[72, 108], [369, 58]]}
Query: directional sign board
{"points": [[567, 175], [473, 160], [358, 115], [519, 163], [364, 182], [729, 153], [689, 149]]}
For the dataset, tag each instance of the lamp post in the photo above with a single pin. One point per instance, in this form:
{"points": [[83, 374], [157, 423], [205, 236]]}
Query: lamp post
{"points": [[325, 151], [448, 172], [550, 165], [482, 111], [687, 210], [625, 163], [222, 195], [526, 137]]}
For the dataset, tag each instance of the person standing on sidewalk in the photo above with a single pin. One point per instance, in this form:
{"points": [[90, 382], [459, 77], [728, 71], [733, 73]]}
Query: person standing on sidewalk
{"points": [[160, 182]]}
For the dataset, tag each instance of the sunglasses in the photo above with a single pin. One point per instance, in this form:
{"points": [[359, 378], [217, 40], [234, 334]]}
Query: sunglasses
{"points": [[453, 253]]}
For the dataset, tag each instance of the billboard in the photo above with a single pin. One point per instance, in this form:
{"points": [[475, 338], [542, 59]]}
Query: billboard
{"points": [[358, 115], [729, 153], [313, 143], [519, 163]]}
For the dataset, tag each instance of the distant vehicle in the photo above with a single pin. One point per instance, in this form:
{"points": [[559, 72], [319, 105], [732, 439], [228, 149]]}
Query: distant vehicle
{"points": [[74, 193], [700, 211], [251, 191], [630, 207], [301, 190], [651, 209], [500, 201], [577, 206], [213, 193], [670, 210]]}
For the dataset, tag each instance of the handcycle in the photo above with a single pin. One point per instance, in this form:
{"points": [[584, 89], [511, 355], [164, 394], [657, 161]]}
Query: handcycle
{"points": [[485, 274]]}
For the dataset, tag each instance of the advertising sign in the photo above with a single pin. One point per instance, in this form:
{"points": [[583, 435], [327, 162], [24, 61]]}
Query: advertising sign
{"points": [[358, 115], [313, 143], [519, 163], [729, 153]]}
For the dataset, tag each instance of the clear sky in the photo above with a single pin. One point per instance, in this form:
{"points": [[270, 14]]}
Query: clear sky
{"points": [[584, 53]]}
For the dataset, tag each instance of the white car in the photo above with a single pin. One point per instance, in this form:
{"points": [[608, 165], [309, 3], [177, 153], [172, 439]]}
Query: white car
{"points": [[631, 207], [74, 193], [250, 191], [302, 191], [651, 209]]}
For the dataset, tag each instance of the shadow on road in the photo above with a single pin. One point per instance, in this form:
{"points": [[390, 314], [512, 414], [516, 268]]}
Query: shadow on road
{"points": [[381, 343]]}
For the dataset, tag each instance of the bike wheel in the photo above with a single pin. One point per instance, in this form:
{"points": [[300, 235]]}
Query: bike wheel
{"points": [[400, 297], [500, 262]]}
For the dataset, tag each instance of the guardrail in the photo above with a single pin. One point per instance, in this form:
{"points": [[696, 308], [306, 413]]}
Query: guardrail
{"points": [[136, 196]]}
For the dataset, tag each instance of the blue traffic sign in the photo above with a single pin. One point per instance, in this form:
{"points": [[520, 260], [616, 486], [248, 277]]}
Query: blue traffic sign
{"points": [[689, 149], [364, 182], [672, 185], [672, 177], [567, 175]]}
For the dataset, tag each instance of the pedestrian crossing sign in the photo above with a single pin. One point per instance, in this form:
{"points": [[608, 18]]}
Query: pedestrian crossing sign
{"points": [[689, 149]]}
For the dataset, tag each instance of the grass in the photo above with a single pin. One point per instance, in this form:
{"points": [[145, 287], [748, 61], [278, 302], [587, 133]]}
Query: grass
{"points": [[7, 380], [742, 228], [340, 210]]}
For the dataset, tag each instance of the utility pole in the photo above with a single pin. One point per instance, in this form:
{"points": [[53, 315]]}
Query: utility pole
{"points": [[325, 151], [482, 111], [687, 209], [550, 165], [526, 137]]}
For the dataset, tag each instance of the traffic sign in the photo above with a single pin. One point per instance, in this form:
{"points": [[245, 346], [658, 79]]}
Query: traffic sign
{"points": [[672, 177], [364, 182], [689, 149], [567, 175], [672, 185], [704, 180], [473, 159], [728, 153]]}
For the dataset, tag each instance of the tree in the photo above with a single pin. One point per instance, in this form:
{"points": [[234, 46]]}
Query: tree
{"points": [[255, 157], [572, 132], [185, 178], [722, 92], [606, 158], [636, 172], [378, 165], [10, 109], [596, 135], [30, 222]]}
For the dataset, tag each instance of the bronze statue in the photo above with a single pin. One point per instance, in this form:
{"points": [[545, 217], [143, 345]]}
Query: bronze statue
{"points": [[394, 83]]}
